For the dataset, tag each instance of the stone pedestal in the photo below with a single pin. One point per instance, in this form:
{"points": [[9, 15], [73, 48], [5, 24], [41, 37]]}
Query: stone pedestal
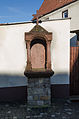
{"points": [[38, 69], [39, 91]]}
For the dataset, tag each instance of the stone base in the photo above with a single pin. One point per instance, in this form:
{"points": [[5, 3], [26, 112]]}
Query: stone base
{"points": [[38, 74], [39, 92]]}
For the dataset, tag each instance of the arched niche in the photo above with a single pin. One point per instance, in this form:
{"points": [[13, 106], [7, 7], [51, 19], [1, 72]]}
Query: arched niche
{"points": [[38, 54], [38, 44]]}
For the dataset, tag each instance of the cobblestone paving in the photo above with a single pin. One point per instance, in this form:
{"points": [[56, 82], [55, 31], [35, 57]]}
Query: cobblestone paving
{"points": [[60, 109]]}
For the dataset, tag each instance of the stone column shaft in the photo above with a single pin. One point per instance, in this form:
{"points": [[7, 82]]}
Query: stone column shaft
{"points": [[28, 56], [48, 56]]}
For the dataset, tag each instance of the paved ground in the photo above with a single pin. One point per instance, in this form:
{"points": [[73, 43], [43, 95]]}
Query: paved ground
{"points": [[60, 109]]}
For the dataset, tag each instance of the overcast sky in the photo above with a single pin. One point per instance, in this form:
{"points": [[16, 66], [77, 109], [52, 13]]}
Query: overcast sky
{"points": [[18, 10]]}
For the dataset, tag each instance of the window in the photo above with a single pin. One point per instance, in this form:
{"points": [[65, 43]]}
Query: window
{"points": [[65, 14], [47, 18]]}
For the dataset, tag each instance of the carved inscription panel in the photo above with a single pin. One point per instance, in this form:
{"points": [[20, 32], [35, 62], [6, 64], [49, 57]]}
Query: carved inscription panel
{"points": [[38, 56]]}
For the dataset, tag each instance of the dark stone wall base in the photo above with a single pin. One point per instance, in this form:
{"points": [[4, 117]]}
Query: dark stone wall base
{"points": [[60, 90], [13, 94]]}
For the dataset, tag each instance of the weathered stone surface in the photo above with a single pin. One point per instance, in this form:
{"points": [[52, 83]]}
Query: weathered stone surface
{"points": [[27, 117], [58, 113], [14, 117], [9, 112], [36, 97], [40, 102], [68, 109], [39, 92], [52, 116], [69, 113], [44, 97], [41, 81], [30, 97], [38, 59], [63, 117]]}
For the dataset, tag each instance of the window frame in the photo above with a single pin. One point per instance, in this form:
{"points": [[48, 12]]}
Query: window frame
{"points": [[64, 12]]}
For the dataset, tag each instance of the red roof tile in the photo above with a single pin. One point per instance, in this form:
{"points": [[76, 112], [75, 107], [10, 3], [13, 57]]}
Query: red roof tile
{"points": [[50, 5]]}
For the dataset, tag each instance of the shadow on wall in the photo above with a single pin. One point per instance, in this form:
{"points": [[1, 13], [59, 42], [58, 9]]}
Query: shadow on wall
{"points": [[13, 88], [73, 41], [60, 85]]}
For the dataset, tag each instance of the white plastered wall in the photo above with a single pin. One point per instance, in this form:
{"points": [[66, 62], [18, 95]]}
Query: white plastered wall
{"points": [[13, 55], [13, 48], [60, 50]]}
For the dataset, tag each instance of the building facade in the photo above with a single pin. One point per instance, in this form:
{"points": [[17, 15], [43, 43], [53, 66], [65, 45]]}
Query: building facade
{"points": [[58, 18], [63, 9], [13, 59], [60, 9]]}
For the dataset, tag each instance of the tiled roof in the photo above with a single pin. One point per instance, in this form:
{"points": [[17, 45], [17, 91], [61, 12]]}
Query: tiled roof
{"points": [[51, 5]]}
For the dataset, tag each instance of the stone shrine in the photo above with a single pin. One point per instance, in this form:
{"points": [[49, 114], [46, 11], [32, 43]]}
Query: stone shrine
{"points": [[38, 68]]}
